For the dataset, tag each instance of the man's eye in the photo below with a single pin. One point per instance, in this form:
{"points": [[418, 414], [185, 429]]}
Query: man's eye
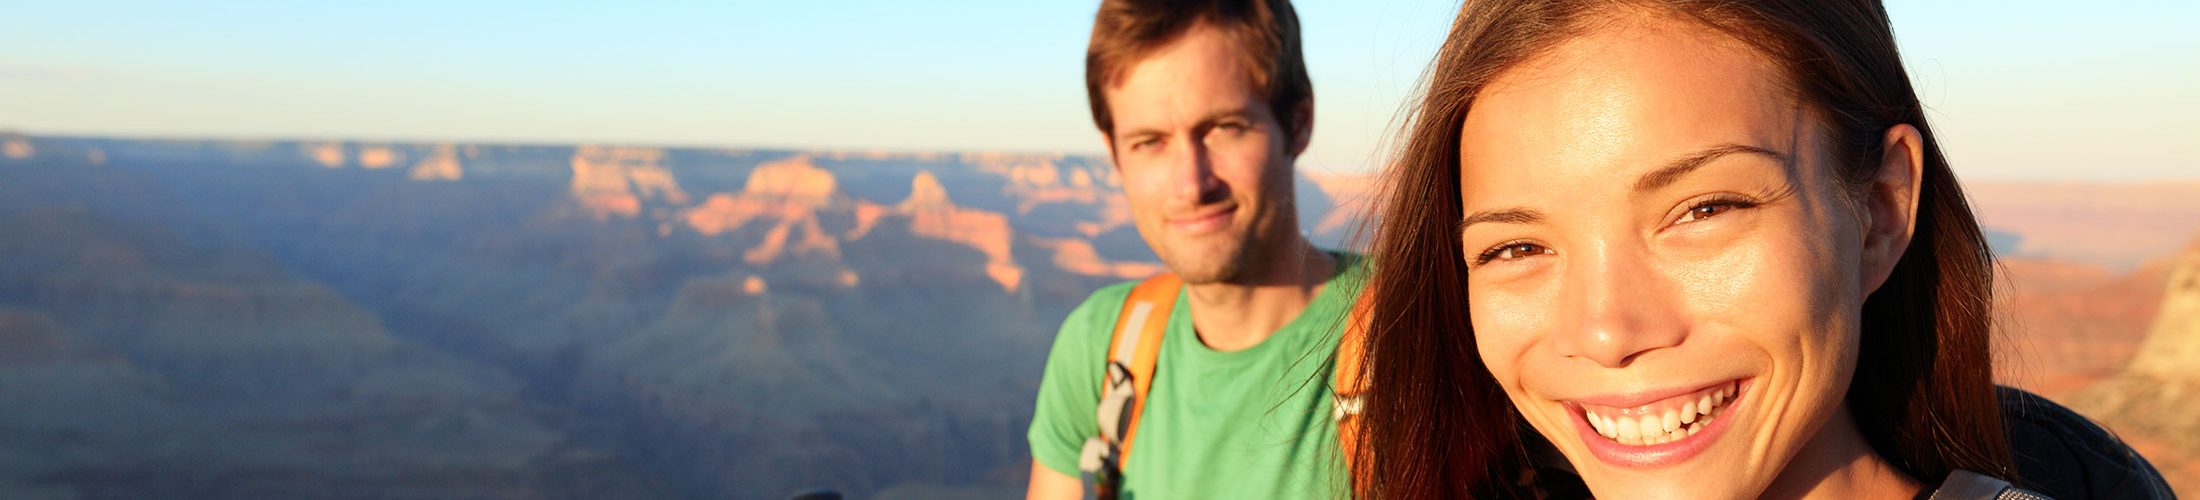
{"points": [[1511, 251], [1145, 144]]}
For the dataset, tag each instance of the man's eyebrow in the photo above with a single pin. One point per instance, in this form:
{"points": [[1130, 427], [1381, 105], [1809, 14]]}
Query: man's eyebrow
{"points": [[1219, 115], [1503, 216], [1210, 118], [1139, 132], [1673, 171]]}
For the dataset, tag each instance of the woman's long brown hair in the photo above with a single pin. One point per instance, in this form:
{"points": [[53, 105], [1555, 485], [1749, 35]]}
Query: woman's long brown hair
{"points": [[1436, 425]]}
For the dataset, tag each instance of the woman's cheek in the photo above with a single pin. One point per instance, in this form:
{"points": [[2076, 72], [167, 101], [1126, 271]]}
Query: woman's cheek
{"points": [[1506, 325]]}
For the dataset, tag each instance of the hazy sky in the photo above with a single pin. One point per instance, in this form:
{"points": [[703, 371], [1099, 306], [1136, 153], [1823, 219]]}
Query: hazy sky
{"points": [[2018, 89]]}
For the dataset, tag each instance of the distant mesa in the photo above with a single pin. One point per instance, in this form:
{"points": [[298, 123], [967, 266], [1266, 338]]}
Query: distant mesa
{"points": [[925, 192], [339, 154], [18, 148], [2115, 225], [879, 155], [1041, 179], [1079, 256], [378, 157], [441, 166], [789, 193], [794, 180], [932, 213], [786, 190], [327, 154], [617, 181]]}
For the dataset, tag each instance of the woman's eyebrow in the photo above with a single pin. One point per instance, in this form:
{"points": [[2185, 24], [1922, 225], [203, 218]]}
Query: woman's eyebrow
{"points": [[1663, 176], [1505, 216], [1674, 170]]}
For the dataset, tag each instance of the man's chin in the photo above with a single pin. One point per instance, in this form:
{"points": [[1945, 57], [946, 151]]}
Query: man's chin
{"points": [[1206, 268]]}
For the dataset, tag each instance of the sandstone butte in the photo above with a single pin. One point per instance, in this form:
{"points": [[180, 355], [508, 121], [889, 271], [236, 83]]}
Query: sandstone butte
{"points": [[328, 154], [338, 154], [932, 213], [378, 157], [616, 181], [441, 166], [789, 194], [17, 148], [2155, 402]]}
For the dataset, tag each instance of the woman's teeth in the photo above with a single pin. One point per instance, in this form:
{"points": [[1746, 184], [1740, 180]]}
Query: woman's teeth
{"points": [[1661, 422]]}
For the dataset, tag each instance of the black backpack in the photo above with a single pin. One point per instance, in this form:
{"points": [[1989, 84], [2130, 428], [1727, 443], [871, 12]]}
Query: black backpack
{"points": [[2067, 456]]}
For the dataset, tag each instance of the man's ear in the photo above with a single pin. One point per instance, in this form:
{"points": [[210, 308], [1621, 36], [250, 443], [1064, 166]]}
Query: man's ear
{"points": [[1889, 204], [1303, 116]]}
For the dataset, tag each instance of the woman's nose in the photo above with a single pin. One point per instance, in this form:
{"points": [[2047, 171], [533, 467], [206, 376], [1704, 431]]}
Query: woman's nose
{"points": [[1618, 307]]}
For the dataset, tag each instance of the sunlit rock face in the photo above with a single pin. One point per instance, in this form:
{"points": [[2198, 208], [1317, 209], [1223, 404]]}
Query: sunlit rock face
{"points": [[933, 214], [443, 165], [794, 180], [2153, 401], [17, 148], [2061, 325], [617, 181]]}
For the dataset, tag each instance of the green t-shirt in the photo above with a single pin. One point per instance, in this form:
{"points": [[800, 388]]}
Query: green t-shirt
{"points": [[1254, 423]]}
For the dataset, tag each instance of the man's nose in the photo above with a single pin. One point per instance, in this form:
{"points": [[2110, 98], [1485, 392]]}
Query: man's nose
{"points": [[1191, 174], [1618, 307]]}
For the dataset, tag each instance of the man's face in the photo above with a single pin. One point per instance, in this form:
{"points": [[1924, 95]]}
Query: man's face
{"points": [[1204, 161]]}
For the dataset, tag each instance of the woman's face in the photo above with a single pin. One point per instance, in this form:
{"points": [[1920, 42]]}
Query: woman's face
{"points": [[1664, 275]]}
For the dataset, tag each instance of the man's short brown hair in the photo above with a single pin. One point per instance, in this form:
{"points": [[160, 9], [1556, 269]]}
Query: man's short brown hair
{"points": [[1266, 31]]}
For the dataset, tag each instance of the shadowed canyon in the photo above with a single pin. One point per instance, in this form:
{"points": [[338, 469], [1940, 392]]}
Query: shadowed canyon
{"points": [[285, 319]]}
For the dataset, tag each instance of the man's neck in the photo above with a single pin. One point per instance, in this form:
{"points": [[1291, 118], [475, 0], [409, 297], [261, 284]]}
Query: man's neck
{"points": [[1234, 316]]}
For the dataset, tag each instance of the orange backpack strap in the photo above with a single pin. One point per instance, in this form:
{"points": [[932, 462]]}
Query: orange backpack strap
{"points": [[1133, 352], [1349, 394]]}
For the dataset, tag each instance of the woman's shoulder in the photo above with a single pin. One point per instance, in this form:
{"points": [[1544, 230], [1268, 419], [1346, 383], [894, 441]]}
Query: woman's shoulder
{"points": [[2066, 455]]}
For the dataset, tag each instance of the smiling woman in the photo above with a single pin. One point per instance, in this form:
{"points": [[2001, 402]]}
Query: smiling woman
{"points": [[1700, 249]]}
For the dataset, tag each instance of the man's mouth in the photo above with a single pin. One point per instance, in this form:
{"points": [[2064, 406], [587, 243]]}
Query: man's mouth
{"points": [[1203, 221]]}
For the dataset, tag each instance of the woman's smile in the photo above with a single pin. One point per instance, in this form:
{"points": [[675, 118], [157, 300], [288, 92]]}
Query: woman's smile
{"points": [[1654, 429]]}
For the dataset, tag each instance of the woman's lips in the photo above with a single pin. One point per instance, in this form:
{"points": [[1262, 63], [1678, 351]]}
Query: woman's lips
{"points": [[1642, 432]]}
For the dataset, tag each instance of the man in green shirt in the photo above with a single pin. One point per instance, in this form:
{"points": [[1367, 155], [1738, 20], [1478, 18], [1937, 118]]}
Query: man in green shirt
{"points": [[1204, 107]]}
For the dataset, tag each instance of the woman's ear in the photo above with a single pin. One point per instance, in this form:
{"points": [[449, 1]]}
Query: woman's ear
{"points": [[1890, 204]]}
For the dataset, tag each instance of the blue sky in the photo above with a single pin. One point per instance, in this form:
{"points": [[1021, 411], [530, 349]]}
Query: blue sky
{"points": [[2017, 89]]}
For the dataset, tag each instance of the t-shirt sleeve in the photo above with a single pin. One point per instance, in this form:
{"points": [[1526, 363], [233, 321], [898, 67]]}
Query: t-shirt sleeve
{"points": [[1069, 390]]}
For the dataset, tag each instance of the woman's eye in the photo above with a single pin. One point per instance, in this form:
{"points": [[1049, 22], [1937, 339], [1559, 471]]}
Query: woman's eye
{"points": [[1710, 209], [1511, 251]]}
